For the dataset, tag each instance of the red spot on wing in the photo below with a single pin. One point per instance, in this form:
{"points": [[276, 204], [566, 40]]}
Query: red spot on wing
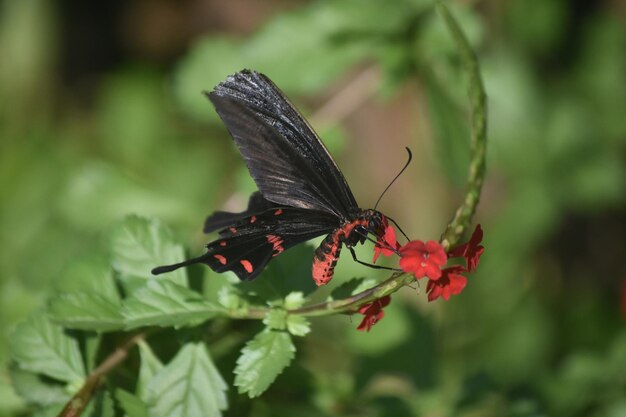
{"points": [[278, 212], [233, 230], [246, 265], [252, 219], [223, 243], [220, 258], [277, 243]]}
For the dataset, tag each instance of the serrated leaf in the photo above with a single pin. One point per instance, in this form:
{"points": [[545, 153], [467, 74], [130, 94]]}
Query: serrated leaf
{"points": [[164, 303], [189, 385], [298, 325], [41, 346], [262, 360], [35, 390], [139, 245], [132, 405], [276, 319], [150, 365], [86, 311]]}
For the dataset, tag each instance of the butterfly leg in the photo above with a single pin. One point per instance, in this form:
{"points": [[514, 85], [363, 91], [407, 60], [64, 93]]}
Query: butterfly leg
{"points": [[368, 264]]}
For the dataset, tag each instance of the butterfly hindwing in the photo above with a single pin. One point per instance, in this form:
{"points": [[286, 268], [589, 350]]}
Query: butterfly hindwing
{"points": [[249, 244], [220, 219]]}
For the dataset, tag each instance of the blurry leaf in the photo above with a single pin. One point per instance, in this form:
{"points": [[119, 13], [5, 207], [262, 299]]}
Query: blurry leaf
{"points": [[538, 25], [189, 385], [101, 405], [289, 272], [348, 288], [93, 274], [229, 298], [298, 325], [86, 311], [131, 404], [209, 61], [452, 135], [140, 244], [262, 360], [36, 390], [100, 194], [132, 114], [42, 347], [150, 366], [164, 303]]}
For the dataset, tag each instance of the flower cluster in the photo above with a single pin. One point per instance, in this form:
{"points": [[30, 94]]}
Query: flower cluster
{"points": [[426, 260]]}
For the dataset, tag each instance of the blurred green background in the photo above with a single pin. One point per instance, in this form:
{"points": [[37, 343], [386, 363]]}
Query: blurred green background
{"points": [[101, 115]]}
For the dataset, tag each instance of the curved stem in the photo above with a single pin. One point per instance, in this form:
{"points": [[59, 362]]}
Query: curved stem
{"points": [[77, 404], [478, 102]]}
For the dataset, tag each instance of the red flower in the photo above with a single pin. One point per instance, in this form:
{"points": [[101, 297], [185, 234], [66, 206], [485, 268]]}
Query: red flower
{"points": [[450, 283], [471, 250], [423, 259], [373, 312], [386, 243]]}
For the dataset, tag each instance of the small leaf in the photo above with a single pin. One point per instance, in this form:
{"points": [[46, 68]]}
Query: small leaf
{"points": [[164, 303], [150, 365], [298, 325], [35, 390], [140, 244], [42, 347], [276, 319], [131, 404], [294, 300], [86, 311], [262, 360], [189, 385]]}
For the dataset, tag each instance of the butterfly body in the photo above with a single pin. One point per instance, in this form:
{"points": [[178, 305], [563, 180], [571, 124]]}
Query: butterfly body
{"points": [[302, 193]]}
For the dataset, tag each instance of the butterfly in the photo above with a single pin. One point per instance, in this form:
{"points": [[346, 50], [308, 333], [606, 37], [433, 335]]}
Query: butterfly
{"points": [[302, 193]]}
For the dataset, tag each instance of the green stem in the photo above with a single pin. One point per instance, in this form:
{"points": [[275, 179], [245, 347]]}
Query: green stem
{"points": [[478, 102]]}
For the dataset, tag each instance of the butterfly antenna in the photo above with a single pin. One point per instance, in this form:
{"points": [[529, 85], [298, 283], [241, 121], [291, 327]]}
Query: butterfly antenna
{"points": [[396, 177]]}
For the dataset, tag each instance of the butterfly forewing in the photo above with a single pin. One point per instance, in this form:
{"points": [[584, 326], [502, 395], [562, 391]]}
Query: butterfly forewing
{"points": [[287, 160]]}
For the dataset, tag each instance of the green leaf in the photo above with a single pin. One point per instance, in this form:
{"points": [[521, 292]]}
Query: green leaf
{"points": [[42, 347], [164, 303], [189, 385], [298, 325], [262, 360], [139, 245], [150, 365], [346, 289], [35, 390], [131, 404], [294, 300], [86, 311], [276, 319], [92, 274]]}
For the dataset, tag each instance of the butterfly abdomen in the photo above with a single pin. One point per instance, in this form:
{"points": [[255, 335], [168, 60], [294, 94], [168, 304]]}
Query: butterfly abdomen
{"points": [[326, 256]]}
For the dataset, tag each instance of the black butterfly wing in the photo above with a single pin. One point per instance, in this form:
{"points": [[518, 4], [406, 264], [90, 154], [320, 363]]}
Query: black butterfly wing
{"points": [[220, 219], [248, 245], [285, 157]]}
